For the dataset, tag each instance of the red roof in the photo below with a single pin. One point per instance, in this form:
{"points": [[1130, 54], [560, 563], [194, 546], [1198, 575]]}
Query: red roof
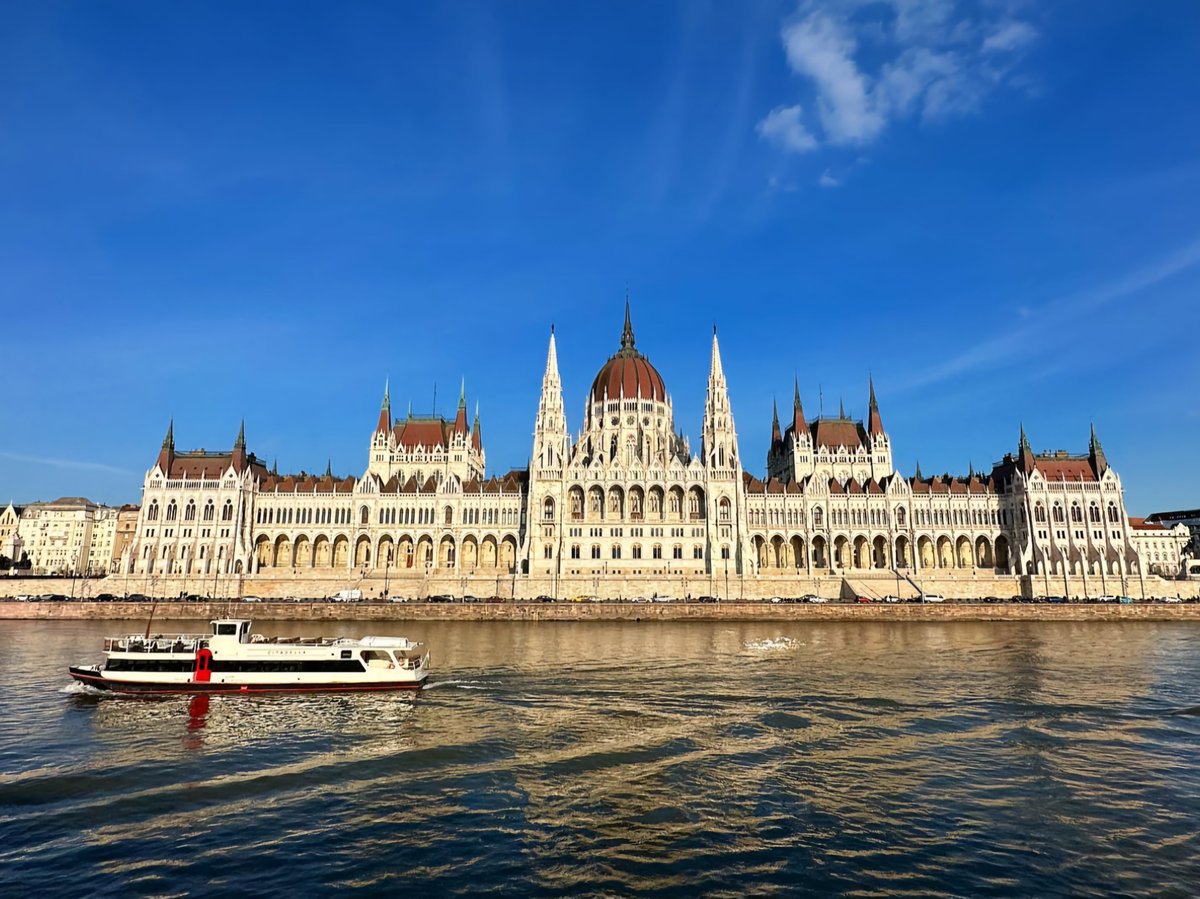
{"points": [[836, 432], [426, 432], [629, 374], [1140, 524], [1065, 469]]}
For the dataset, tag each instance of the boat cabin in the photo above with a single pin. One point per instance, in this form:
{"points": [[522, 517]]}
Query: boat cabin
{"points": [[235, 630]]}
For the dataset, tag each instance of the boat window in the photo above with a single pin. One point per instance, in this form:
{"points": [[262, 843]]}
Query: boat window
{"points": [[347, 653], [229, 630], [377, 659]]}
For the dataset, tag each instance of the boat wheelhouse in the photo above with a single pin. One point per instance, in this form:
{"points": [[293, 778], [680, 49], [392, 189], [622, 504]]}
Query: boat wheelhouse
{"points": [[231, 659]]}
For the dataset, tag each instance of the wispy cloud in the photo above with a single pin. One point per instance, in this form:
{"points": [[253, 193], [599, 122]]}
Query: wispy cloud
{"points": [[1037, 329], [67, 463], [871, 63], [828, 180], [782, 126]]}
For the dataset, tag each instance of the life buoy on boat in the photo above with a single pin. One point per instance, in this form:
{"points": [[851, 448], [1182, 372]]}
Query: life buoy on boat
{"points": [[202, 673]]}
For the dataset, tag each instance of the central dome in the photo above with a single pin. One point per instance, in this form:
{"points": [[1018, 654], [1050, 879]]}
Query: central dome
{"points": [[628, 373]]}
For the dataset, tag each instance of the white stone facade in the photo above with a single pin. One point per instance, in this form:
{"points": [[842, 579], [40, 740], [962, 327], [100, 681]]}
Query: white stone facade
{"points": [[628, 497]]}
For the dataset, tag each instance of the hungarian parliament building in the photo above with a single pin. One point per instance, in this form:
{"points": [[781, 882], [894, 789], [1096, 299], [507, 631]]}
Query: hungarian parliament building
{"points": [[630, 498]]}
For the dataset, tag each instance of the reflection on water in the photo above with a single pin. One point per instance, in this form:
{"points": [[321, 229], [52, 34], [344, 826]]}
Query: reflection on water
{"points": [[624, 758]]}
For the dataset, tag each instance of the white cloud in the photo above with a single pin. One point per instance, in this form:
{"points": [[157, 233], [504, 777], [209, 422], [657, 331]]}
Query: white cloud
{"points": [[782, 126], [823, 49], [827, 179], [871, 62], [1009, 36]]}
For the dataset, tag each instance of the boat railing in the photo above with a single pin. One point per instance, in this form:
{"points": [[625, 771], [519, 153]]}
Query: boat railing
{"points": [[181, 643]]}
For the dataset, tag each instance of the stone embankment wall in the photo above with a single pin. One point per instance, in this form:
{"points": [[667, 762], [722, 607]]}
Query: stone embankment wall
{"points": [[875, 584], [603, 611]]}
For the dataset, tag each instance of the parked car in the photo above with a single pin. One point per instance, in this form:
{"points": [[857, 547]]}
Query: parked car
{"points": [[863, 599], [1164, 599], [932, 597], [816, 599], [891, 599], [440, 597]]}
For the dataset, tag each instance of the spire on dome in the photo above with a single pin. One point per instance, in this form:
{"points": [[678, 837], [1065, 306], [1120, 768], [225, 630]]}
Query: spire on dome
{"points": [[874, 421], [627, 331]]}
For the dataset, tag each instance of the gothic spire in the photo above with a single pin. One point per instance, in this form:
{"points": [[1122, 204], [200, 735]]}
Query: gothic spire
{"points": [[799, 426], [240, 443], [874, 422], [476, 433], [716, 370], [1096, 453], [627, 331], [169, 440], [329, 468], [776, 436], [385, 410], [918, 475]]}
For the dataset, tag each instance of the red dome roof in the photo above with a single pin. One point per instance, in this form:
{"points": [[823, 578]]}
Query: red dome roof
{"points": [[628, 373]]}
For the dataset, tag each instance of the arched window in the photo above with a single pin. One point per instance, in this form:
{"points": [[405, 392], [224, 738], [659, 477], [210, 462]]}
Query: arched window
{"points": [[448, 515], [818, 517], [901, 518], [227, 511], [172, 511], [209, 510], [723, 509], [152, 512], [1076, 513], [1058, 514], [364, 515], [548, 509], [1112, 513], [1094, 513], [189, 511]]}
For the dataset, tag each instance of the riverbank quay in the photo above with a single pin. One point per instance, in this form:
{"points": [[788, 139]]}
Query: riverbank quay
{"points": [[599, 611]]}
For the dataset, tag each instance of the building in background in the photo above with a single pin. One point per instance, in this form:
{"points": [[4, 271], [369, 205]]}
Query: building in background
{"points": [[69, 536], [10, 540], [1189, 518], [1161, 547], [126, 530]]}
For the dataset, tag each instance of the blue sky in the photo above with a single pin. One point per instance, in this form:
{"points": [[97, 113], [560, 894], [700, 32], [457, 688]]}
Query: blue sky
{"points": [[211, 211]]}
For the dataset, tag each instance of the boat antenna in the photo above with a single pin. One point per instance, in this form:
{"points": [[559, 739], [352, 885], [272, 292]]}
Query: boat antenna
{"points": [[150, 620]]}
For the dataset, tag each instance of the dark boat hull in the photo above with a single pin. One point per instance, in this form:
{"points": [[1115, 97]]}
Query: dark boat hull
{"points": [[93, 678]]}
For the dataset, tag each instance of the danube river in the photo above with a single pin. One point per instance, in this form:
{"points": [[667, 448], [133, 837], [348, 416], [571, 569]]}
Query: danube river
{"points": [[626, 759]]}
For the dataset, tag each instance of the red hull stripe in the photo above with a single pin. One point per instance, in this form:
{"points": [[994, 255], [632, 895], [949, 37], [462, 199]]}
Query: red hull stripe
{"points": [[152, 689]]}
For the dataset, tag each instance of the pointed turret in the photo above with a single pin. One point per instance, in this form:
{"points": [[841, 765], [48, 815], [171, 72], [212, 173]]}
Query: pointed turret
{"points": [[841, 409], [776, 435], [238, 460], [919, 476], [718, 439], [1096, 454], [476, 432], [551, 442], [385, 411], [874, 421], [799, 425], [167, 454], [329, 468], [1025, 452], [460, 418]]}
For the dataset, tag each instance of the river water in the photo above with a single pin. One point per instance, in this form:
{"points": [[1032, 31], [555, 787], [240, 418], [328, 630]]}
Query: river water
{"points": [[626, 759]]}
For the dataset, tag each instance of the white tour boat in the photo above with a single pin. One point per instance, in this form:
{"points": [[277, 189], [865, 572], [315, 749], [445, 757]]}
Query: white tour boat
{"points": [[232, 660]]}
